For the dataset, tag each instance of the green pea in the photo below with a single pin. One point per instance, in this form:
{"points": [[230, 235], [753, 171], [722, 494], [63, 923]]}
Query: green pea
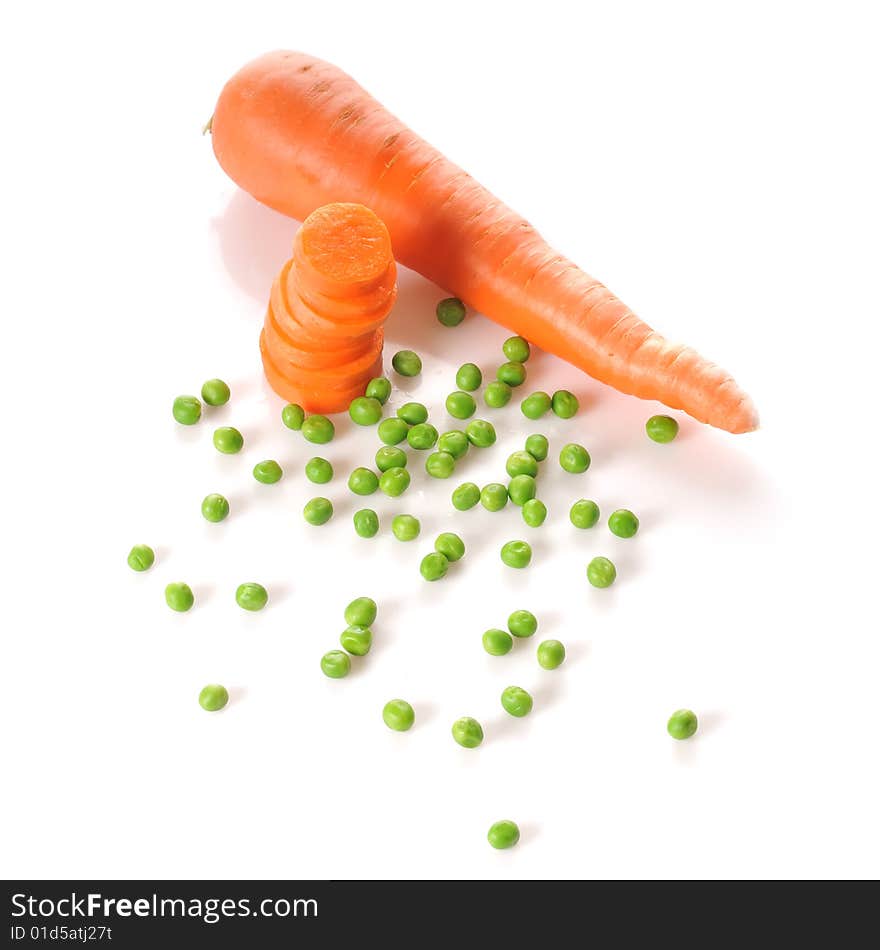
{"points": [[450, 545], [469, 377], [405, 527], [179, 596], [215, 508], [516, 554], [536, 405], [213, 697], [422, 436], [390, 457], [516, 701], [215, 392], [601, 572], [460, 405], [521, 463], [398, 715], [394, 482], [434, 566], [522, 488], [268, 472], [514, 374], [440, 465], [494, 496], [455, 442], [497, 394], [356, 640], [467, 732], [450, 312], [466, 496], [187, 410], [481, 433], [318, 430], [534, 513], [141, 557], [497, 642], [379, 388], [319, 471], [574, 458], [363, 481], [522, 623], [682, 724], [584, 513], [551, 654], [661, 428], [227, 440], [292, 416], [537, 446], [623, 523], [361, 612], [565, 404], [335, 664], [406, 363], [516, 349], [365, 410], [413, 413], [251, 596], [366, 523], [392, 431], [503, 834], [318, 511]]}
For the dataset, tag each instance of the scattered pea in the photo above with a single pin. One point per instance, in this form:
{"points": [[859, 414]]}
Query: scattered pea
{"points": [[365, 410], [601, 572], [537, 446], [213, 697], [460, 405], [536, 405], [390, 457], [141, 556], [516, 554], [497, 394], [574, 458], [465, 496], [450, 312], [469, 377], [522, 623], [514, 374], [363, 481], [422, 436], [565, 404], [497, 642], [661, 428], [318, 430], [366, 523], [623, 523], [394, 482], [392, 431], [268, 472], [292, 416], [516, 349], [251, 596], [215, 392], [450, 545], [434, 566], [398, 715], [480, 433], [215, 508], [440, 465], [356, 640], [318, 511], [503, 834], [319, 471], [467, 732], [361, 612], [407, 363], [335, 664], [584, 513], [179, 596], [551, 654], [516, 701], [682, 724], [521, 463], [405, 527], [522, 488], [455, 442], [494, 496], [187, 410], [379, 388], [227, 440], [413, 413], [534, 512]]}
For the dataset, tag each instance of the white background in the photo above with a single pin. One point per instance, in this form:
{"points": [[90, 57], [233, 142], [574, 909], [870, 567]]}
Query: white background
{"points": [[716, 165]]}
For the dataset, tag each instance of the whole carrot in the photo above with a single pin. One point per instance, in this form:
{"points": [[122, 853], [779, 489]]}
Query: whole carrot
{"points": [[297, 133]]}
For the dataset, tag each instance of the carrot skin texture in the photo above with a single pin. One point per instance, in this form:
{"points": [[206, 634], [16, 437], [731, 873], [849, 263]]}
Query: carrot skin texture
{"points": [[297, 133]]}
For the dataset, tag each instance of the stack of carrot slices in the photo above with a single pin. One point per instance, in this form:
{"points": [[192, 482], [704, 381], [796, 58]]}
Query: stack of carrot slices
{"points": [[322, 339]]}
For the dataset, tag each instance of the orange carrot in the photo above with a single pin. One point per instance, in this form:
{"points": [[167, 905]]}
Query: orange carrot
{"points": [[297, 133], [322, 337]]}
